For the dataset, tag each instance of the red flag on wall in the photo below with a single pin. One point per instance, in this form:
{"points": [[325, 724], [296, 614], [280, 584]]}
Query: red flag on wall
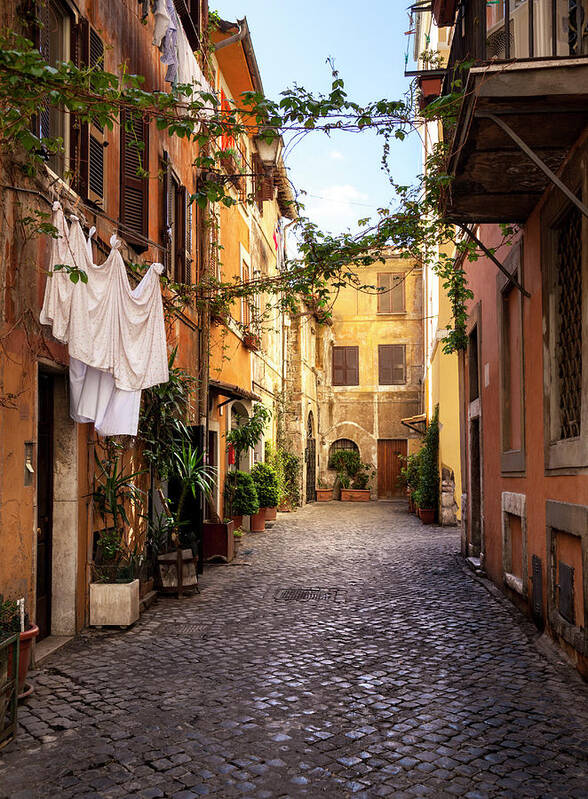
{"points": [[231, 454]]}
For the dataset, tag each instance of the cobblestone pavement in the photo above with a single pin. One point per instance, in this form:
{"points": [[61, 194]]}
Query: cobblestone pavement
{"points": [[402, 677]]}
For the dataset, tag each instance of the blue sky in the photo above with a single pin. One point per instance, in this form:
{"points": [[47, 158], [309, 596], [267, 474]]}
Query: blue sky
{"points": [[292, 42]]}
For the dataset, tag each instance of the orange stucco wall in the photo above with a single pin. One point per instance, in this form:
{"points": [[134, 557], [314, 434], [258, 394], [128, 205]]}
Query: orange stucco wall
{"points": [[534, 483]]}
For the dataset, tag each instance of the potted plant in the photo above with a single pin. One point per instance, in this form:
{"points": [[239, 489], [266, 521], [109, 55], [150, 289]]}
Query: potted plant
{"points": [[427, 494], [266, 485], [323, 493], [251, 340], [9, 668], [114, 590], [353, 475], [241, 497], [409, 474]]}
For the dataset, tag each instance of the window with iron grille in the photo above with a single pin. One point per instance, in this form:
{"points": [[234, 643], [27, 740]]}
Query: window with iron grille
{"points": [[391, 298], [391, 364], [342, 443], [345, 366], [569, 332]]}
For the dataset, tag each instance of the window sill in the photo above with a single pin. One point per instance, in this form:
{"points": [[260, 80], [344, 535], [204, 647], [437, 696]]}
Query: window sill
{"points": [[391, 313], [514, 583]]}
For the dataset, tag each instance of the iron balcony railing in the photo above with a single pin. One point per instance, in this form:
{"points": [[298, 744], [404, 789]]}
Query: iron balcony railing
{"points": [[503, 30]]}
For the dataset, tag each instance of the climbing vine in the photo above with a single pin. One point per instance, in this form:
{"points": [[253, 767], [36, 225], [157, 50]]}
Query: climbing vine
{"points": [[325, 263]]}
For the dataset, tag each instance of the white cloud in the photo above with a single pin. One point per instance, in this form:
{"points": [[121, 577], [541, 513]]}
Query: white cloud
{"points": [[336, 208], [335, 155]]}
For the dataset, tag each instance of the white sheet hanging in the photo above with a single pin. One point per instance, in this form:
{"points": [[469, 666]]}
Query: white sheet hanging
{"points": [[115, 335]]}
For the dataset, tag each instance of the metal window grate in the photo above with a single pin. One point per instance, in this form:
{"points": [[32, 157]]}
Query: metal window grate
{"points": [[308, 594], [566, 591], [569, 339], [537, 598]]}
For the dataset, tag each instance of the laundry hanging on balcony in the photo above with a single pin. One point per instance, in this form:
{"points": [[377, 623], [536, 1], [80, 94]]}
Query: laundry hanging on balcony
{"points": [[115, 334]]}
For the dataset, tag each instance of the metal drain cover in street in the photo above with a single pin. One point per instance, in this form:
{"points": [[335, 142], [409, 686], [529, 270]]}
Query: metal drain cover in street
{"points": [[309, 594], [190, 629]]}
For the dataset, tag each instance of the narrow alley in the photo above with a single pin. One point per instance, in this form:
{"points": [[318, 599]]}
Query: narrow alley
{"points": [[396, 674]]}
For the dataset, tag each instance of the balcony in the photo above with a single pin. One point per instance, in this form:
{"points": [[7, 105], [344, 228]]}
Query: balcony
{"points": [[526, 101]]}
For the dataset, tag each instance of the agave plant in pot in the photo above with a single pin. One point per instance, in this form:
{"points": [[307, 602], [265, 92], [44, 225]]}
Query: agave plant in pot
{"points": [[266, 485]]}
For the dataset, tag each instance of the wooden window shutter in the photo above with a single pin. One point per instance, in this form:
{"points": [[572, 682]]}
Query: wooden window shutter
{"points": [[172, 206], [79, 155], [391, 364], [181, 263], [338, 366], [384, 296], [96, 133], [245, 308], [345, 366], [133, 187], [352, 366], [397, 293]]}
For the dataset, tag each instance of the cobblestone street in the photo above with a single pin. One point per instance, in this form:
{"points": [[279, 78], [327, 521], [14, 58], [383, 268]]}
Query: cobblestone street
{"points": [[402, 677]]}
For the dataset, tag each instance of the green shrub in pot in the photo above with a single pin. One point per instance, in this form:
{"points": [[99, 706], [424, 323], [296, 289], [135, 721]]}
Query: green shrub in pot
{"points": [[244, 501], [266, 485]]}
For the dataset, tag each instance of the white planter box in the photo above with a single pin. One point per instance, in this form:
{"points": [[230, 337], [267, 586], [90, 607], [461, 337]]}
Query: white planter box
{"points": [[114, 604]]}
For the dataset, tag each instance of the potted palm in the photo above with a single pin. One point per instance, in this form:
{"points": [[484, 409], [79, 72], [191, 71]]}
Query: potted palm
{"points": [[266, 485], [114, 591]]}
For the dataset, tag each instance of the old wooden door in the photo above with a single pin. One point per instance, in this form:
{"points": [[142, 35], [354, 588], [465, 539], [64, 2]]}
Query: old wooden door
{"points": [[44, 503], [310, 457], [390, 451]]}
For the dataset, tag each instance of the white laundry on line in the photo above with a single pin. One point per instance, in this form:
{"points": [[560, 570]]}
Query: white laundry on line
{"points": [[115, 335]]}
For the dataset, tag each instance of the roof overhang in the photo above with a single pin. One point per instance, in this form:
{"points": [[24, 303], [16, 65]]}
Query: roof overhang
{"points": [[417, 423], [231, 392], [545, 103]]}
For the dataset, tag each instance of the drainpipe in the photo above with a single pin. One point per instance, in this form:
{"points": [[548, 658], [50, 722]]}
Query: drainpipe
{"points": [[237, 37]]}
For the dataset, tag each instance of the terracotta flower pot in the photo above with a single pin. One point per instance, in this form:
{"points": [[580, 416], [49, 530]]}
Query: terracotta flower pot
{"points": [[427, 515], [218, 540], [431, 86], [24, 661], [355, 495], [237, 521], [257, 521], [270, 514], [324, 494]]}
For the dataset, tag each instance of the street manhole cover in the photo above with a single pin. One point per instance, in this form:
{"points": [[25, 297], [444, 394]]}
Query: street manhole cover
{"points": [[309, 594]]}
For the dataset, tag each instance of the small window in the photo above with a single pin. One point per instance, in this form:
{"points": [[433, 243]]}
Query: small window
{"points": [[345, 366], [392, 364], [473, 370], [342, 443], [55, 45], [178, 226], [391, 298], [245, 306], [568, 353]]}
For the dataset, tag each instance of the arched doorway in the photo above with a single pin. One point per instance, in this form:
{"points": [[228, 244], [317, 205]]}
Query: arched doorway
{"points": [[310, 458]]}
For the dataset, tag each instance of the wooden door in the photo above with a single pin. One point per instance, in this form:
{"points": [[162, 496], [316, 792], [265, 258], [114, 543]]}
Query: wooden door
{"points": [[390, 451], [44, 504]]}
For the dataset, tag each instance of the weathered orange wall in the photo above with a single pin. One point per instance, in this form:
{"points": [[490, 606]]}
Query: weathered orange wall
{"points": [[537, 487]]}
